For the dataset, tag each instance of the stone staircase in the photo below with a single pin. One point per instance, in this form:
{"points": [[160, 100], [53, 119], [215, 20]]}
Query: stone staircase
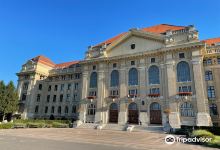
{"points": [[150, 128], [114, 127]]}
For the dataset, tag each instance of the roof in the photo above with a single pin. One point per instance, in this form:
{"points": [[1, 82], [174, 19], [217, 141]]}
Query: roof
{"points": [[46, 61], [212, 41], [158, 29]]}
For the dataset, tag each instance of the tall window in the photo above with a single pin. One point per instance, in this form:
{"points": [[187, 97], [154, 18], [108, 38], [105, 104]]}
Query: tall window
{"points": [[154, 75], [74, 109], [52, 109], [211, 92], [93, 80], [59, 110], [133, 76], [46, 109], [213, 109], [91, 109], [36, 109], [186, 110], [183, 72], [114, 78], [208, 75], [38, 97], [66, 110], [218, 60]]}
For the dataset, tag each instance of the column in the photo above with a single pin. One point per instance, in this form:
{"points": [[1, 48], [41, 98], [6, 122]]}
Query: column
{"points": [[203, 117], [174, 117]]}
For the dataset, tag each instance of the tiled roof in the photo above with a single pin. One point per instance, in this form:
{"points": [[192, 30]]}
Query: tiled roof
{"points": [[158, 29], [66, 64], [46, 61], [212, 41]]}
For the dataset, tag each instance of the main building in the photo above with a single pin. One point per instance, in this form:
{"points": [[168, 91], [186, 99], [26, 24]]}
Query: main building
{"points": [[142, 76]]}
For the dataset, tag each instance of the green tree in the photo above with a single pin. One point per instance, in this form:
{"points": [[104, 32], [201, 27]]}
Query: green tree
{"points": [[8, 98]]}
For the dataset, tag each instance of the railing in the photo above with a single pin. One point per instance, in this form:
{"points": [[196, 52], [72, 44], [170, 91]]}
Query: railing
{"points": [[184, 93], [64, 71], [154, 95]]}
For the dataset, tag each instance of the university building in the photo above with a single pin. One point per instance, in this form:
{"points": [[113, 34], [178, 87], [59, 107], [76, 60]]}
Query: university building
{"points": [[136, 77]]}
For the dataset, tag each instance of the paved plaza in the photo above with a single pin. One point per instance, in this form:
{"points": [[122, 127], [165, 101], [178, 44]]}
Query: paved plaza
{"points": [[84, 139]]}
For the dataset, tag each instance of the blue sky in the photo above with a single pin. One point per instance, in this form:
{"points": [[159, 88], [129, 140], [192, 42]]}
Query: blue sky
{"points": [[63, 29]]}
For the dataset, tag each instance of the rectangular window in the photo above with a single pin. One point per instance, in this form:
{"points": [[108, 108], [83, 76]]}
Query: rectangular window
{"points": [[67, 97], [56, 87], [54, 98], [93, 67], [92, 93], [38, 97], [69, 87], [114, 93], [211, 92], [76, 85], [152, 60], [48, 98], [49, 88], [209, 61], [218, 60], [25, 86], [181, 55], [155, 91], [77, 75], [61, 97], [133, 46], [74, 97], [114, 65], [133, 92], [62, 87], [46, 110], [24, 96], [208, 75], [132, 63], [63, 77], [40, 87], [185, 89], [36, 109]]}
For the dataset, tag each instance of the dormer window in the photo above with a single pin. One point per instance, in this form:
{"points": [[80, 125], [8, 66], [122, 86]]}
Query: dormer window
{"points": [[132, 46], [181, 55]]}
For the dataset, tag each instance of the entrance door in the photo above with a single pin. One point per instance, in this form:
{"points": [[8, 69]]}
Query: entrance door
{"points": [[133, 114], [155, 114], [113, 113]]}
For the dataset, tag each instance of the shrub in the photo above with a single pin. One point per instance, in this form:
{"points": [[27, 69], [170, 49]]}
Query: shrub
{"points": [[202, 133], [6, 126], [59, 125], [35, 125], [19, 125]]}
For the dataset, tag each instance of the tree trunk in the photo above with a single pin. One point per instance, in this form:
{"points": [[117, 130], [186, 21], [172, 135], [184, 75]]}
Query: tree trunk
{"points": [[3, 117]]}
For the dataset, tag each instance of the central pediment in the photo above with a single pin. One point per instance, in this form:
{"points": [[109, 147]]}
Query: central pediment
{"points": [[134, 42]]}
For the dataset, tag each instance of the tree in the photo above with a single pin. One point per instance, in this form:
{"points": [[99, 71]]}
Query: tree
{"points": [[8, 98]]}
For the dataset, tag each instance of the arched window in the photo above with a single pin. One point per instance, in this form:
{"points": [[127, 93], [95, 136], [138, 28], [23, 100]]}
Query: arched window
{"points": [[186, 110], [133, 106], [74, 109], [155, 106], [66, 110], [114, 78], [154, 75], [113, 106], [59, 110], [52, 109], [93, 80], [183, 72], [133, 76], [91, 109], [213, 109]]}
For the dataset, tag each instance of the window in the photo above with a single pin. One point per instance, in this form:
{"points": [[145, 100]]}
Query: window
{"points": [[93, 67], [38, 97], [76, 85], [181, 55], [185, 89], [48, 98], [36, 109], [143, 103], [62, 87], [69, 87], [66, 110], [24, 96], [67, 97], [25, 86], [132, 63], [155, 106], [209, 61], [113, 106], [114, 78], [56, 87], [74, 97], [77, 75], [74, 109], [133, 92], [46, 110], [114, 93], [49, 88], [132, 106], [218, 59], [91, 109], [63, 77], [154, 75], [59, 110], [133, 77], [155, 91], [54, 98], [152, 60], [93, 80], [133, 46], [186, 110], [213, 110], [183, 72], [52, 109], [114, 65], [40, 87], [61, 97], [211, 92], [208, 75], [92, 93]]}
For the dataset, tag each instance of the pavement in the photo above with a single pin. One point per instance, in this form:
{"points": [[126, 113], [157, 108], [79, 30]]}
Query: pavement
{"points": [[84, 139]]}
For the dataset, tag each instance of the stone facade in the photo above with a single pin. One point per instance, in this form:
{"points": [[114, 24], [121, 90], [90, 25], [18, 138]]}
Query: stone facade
{"points": [[160, 75]]}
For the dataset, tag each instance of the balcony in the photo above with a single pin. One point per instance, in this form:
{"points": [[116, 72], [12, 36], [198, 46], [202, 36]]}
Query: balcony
{"points": [[91, 97], [154, 95], [184, 93]]}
